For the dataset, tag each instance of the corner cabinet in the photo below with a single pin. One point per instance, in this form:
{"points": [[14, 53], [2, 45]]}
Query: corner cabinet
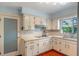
{"points": [[9, 35]]}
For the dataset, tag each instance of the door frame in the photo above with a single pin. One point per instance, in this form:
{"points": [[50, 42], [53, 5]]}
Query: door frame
{"points": [[2, 47]]}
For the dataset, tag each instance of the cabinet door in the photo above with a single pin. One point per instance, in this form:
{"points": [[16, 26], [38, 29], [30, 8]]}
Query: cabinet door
{"points": [[36, 48], [43, 21], [41, 46], [48, 21], [71, 49], [47, 44], [51, 43], [58, 44], [29, 50], [55, 44], [26, 22], [32, 22], [61, 46], [38, 20], [55, 24]]}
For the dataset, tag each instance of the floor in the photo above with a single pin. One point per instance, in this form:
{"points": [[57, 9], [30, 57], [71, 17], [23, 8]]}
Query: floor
{"points": [[51, 53]]}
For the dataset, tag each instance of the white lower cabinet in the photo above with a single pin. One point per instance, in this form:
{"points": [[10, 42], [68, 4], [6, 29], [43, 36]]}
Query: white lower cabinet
{"points": [[47, 44], [55, 44], [71, 48], [61, 45], [65, 46], [44, 45], [41, 46], [36, 48], [28, 50], [32, 49]]}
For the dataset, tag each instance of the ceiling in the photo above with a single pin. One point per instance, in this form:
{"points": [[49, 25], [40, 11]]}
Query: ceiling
{"points": [[48, 8]]}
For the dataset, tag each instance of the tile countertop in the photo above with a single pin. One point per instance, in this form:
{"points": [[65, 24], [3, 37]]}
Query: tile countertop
{"points": [[32, 37]]}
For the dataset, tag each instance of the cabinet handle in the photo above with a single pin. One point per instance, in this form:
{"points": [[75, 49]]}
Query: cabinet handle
{"points": [[25, 46], [37, 44], [59, 42], [0, 36], [0, 53], [0, 19], [55, 42]]}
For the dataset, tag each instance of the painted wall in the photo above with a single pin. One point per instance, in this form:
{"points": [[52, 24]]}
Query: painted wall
{"points": [[33, 12], [67, 12], [71, 11], [13, 10]]}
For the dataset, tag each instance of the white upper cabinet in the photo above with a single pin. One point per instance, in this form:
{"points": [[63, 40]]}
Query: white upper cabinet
{"points": [[55, 25], [43, 21], [48, 24], [28, 22], [32, 23], [37, 20]]}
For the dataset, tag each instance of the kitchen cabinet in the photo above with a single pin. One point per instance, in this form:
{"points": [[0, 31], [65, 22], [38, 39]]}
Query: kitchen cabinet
{"points": [[56, 44], [43, 21], [32, 23], [65, 46], [29, 50], [51, 44], [44, 45], [47, 44], [48, 24], [36, 48], [38, 20], [28, 22], [55, 25], [41, 46], [70, 48]]}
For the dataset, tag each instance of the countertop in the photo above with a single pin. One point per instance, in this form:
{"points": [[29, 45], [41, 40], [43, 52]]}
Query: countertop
{"points": [[32, 37]]}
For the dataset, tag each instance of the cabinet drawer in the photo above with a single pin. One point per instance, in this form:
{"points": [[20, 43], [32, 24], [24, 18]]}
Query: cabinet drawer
{"points": [[29, 42]]}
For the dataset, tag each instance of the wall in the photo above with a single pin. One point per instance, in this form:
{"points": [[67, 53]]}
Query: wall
{"points": [[67, 12], [33, 12], [12, 10]]}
